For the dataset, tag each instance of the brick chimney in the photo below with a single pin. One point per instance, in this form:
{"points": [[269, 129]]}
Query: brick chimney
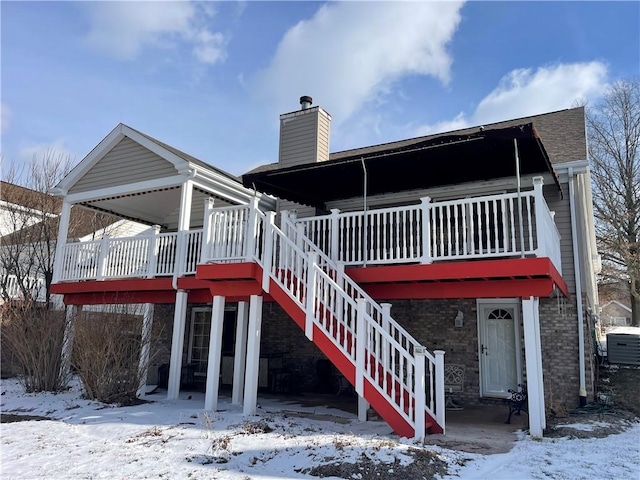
{"points": [[304, 138]]}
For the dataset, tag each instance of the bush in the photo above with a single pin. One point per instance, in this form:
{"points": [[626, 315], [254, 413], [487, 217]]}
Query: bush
{"points": [[106, 354], [32, 339]]}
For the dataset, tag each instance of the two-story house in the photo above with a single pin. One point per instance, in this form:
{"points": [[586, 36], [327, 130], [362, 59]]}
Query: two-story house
{"points": [[473, 247]]}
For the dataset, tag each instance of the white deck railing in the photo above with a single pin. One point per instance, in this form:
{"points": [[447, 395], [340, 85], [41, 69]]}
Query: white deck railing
{"points": [[505, 225], [11, 288], [143, 256]]}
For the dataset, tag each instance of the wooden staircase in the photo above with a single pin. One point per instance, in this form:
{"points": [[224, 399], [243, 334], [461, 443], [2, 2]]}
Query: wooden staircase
{"points": [[389, 368]]}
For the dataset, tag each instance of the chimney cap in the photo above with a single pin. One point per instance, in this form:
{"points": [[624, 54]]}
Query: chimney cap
{"points": [[305, 101]]}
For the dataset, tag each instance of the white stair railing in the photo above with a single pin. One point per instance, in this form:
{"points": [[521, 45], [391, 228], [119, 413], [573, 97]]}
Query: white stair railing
{"points": [[380, 350]]}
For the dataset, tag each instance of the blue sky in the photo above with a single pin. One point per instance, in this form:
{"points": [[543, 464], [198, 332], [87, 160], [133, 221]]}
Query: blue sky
{"points": [[211, 78]]}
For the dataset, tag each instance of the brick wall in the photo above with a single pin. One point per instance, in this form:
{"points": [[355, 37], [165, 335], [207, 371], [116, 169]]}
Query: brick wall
{"points": [[431, 322]]}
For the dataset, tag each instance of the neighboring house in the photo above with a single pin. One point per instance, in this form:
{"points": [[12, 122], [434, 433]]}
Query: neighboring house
{"points": [[614, 313], [28, 223], [474, 247]]}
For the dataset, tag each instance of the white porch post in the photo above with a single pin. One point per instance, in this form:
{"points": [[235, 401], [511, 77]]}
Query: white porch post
{"points": [[215, 354], [152, 254], [426, 230], [268, 250], [239, 360], [310, 299], [205, 248], [538, 207], [335, 235], [143, 363], [72, 312], [440, 401], [252, 230], [103, 256], [184, 222], [253, 355], [63, 229], [419, 392], [361, 343], [533, 359], [177, 344]]}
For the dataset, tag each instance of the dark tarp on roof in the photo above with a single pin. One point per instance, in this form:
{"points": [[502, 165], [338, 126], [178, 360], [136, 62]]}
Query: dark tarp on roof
{"points": [[445, 160]]}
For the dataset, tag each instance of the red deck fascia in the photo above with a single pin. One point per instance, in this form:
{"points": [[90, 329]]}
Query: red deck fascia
{"points": [[522, 277]]}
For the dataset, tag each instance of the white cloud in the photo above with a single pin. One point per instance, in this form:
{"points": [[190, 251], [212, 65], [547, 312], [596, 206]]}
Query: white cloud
{"points": [[123, 29], [525, 92], [5, 117], [56, 150], [351, 53]]}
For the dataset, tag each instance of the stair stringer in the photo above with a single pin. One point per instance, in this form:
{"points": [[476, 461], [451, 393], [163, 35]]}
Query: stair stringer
{"points": [[381, 405]]}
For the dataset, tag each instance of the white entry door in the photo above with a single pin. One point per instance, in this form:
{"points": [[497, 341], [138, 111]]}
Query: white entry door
{"points": [[499, 348]]}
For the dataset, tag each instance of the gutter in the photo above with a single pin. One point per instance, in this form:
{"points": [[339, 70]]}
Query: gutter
{"points": [[576, 273]]}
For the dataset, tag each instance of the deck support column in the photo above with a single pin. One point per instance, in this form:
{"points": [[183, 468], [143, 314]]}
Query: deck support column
{"points": [[145, 346], [533, 359], [71, 314], [240, 358], [177, 344], [363, 407], [215, 354], [253, 356]]}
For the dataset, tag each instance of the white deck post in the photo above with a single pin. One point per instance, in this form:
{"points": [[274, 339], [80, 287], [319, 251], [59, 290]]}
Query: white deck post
{"points": [[252, 229], [145, 347], [268, 250], [538, 206], [205, 248], [215, 354], [310, 297], [361, 342], [177, 344], [426, 229], [419, 392], [240, 358], [63, 229], [253, 356], [71, 314], [152, 254], [440, 401], [533, 359], [103, 256], [335, 235], [184, 222]]}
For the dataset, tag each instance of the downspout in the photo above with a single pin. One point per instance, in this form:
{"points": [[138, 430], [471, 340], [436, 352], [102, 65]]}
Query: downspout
{"points": [[576, 273], [365, 238]]}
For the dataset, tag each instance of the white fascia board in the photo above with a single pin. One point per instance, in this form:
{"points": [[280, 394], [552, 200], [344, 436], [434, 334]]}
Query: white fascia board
{"points": [[577, 167], [228, 188], [129, 188]]}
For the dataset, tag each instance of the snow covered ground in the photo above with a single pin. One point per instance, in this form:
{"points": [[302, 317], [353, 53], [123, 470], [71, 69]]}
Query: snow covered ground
{"points": [[178, 440]]}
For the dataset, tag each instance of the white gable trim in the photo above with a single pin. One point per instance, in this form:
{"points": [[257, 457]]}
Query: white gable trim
{"points": [[105, 146]]}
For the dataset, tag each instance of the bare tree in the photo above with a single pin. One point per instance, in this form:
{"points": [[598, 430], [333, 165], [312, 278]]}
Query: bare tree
{"points": [[614, 149], [31, 219]]}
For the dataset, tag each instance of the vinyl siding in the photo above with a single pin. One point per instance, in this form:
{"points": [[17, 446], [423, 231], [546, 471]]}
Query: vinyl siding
{"points": [[127, 162], [562, 208], [304, 137]]}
